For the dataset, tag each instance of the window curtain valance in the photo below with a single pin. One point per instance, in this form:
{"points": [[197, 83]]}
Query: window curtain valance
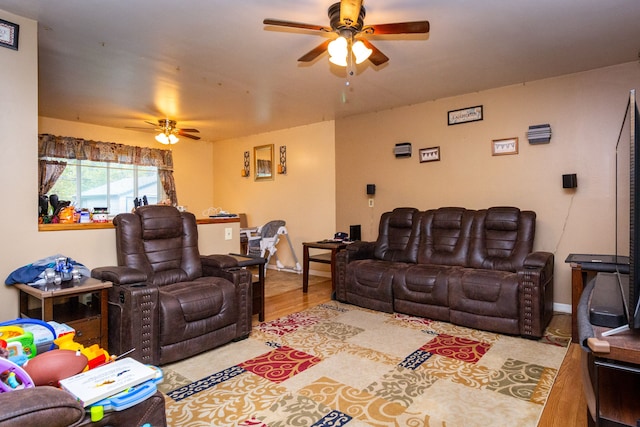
{"points": [[66, 147]]}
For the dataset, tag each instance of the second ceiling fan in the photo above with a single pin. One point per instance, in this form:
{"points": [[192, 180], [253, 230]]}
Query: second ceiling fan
{"points": [[347, 20]]}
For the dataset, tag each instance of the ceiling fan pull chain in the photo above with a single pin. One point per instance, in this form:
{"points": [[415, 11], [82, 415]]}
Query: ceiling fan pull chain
{"points": [[351, 69]]}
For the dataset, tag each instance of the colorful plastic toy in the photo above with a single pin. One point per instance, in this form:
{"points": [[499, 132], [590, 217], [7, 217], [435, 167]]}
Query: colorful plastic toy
{"points": [[11, 327], [96, 356], [15, 376]]}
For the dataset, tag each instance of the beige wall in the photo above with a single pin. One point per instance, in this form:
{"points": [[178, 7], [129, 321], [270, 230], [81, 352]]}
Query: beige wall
{"points": [[585, 112], [18, 168], [304, 197]]}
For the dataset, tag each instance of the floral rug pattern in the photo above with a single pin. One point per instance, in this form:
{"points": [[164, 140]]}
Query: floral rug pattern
{"points": [[341, 365]]}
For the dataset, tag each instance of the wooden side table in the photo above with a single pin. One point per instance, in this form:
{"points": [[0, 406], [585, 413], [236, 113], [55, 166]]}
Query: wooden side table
{"points": [[81, 304], [324, 258]]}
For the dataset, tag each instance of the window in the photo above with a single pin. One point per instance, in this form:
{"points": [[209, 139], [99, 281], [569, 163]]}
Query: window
{"points": [[91, 184]]}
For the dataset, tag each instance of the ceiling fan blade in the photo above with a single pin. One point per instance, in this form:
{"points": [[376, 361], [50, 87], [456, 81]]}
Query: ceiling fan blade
{"points": [[376, 57], [186, 135], [151, 123], [292, 24], [138, 128], [350, 11], [399, 28], [188, 130], [315, 52]]}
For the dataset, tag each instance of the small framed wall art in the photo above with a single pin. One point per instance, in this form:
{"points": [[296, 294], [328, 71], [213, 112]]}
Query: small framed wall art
{"points": [[500, 147], [431, 154], [9, 34], [465, 115]]}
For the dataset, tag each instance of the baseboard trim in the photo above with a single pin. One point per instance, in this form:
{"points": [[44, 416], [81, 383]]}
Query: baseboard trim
{"points": [[561, 308]]}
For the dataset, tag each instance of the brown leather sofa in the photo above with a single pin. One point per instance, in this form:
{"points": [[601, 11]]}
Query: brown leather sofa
{"points": [[52, 407], [166, 302], [473, 268]]}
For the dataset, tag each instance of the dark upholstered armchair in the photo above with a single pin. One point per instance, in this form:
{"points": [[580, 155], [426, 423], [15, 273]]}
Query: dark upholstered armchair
{"points": [[53, 407], [162, 304]]}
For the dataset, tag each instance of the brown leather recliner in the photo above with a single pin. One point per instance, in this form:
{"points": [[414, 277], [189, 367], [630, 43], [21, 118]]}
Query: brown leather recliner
{"points": [[162, 304]]}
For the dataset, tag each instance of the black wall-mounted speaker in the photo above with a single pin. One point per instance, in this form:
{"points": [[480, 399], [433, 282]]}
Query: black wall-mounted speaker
{"points": [[354, 233], [371, 189], [569, 180]]}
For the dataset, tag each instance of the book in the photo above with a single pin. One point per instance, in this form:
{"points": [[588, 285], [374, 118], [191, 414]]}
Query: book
{"points": [[99, 383]]}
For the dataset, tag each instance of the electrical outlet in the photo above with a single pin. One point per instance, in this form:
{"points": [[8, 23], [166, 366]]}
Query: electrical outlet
{"points": [[228, 233], [371, 203]]}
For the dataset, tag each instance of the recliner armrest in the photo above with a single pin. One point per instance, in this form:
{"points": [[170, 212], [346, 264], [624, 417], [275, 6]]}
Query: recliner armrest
{"points": [[359, 250], [538, 260], [536, 293], [119, 275], [43, 405], [218, 261]]}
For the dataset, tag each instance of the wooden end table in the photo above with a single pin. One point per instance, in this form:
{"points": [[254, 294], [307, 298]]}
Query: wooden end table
{"points": [[325, 258], [81, 304]]}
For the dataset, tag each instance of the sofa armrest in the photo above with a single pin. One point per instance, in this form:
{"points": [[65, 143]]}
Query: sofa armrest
{"points": [[119, 275], [538, 260], [535, 281], [226, 267], [219, 262], [43, 406], [353, 251], [360, 250]]}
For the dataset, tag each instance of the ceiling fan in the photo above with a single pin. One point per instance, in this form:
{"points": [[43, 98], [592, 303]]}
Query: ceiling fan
{"points": [[347, 20], [168, 132]]}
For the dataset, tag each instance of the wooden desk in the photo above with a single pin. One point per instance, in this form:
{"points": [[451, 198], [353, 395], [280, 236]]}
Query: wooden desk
{"points": [[81, 304], [323, 258], [583, 269], [257, 287]]}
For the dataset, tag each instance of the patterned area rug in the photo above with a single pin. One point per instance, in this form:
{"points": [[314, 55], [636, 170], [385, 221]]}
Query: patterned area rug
{"points": [[337, 365]]}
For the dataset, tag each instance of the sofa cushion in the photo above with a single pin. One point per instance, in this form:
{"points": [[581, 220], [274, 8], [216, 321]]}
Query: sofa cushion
{"points": [[190, 309], [501, 238], [422, 290], [398, 235], [485, 299], [444, 236], [369, 283]]}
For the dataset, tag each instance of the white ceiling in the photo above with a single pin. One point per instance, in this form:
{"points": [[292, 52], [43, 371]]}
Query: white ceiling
{"points": [[213, 65]]}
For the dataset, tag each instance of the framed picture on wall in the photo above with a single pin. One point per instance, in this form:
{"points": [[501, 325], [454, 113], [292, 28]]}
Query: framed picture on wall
{"points": [[501, 147], [431, 154], [465, 115], [9, 34]]}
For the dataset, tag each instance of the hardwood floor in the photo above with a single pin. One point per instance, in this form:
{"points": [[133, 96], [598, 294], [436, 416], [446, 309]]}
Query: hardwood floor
{"points": [[566, 405]]}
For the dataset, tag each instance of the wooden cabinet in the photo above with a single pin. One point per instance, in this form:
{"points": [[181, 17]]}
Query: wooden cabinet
{"points": [[80, 304], [611, 370]]}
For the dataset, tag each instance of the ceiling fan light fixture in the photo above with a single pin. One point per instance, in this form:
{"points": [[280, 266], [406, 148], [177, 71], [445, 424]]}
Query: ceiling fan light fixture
{"points": [[360, 51], [165, 139], [162, 138], [338, 51]]}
